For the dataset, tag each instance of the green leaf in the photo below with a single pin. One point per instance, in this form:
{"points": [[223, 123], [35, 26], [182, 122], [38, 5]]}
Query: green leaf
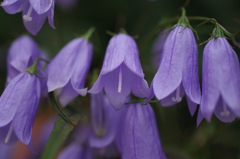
{"points": [[61, 131]]}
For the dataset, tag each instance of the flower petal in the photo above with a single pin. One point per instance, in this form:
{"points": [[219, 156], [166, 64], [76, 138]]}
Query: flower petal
{"points": [[192, 107], [13, 6], [199, 117], [229, 77], [22, 53], [67, 94], [105, 119], [98, 85], [220, 109], [41, 6], [24, 117], [190, 69], [81, 67], [5, 132], [169, 74], [168, 101], [11, 99], [140, 87], [210, 78], [115, 53], [74, 151], [57, 76], [37, 21], [115, 90], [140, 138], [51, 16]]}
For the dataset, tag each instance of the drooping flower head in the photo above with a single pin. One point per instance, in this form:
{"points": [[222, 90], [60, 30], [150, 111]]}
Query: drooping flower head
{"points": [[34, 12], [18, 105], [22, 53], [178, 70], [69, 69], [121, 73], [220, 80], [104, 121], [139, 134]]}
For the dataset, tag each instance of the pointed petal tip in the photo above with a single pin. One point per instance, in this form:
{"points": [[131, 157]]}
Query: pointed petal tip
{"points": [[82, 92]]}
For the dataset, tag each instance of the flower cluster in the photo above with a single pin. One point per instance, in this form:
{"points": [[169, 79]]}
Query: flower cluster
{"points": [[117, 121], [34, 12]]}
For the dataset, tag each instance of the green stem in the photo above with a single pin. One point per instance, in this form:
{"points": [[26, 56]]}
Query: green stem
{"points": [[88, 34], [55, 105]]}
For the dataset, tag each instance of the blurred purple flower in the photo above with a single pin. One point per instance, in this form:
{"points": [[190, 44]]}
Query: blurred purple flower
{"points": [[79, 148], [68, 70], [158, 47], [67, 4], [76, 151], [105, 121], [34, 12], [178, 70], [121, 72], [18, 105], [22, 53], [220, 82], [139, 134]]}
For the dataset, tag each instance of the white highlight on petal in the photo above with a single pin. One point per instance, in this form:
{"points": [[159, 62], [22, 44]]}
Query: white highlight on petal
{"points": [[177, 98], [50, 2], [27, 17], [225, 112], [9, 134], [120, 80]]}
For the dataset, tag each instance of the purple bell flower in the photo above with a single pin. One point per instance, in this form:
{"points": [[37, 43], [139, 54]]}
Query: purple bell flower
{"points": [[18, 105], [139, 134], [178, 70], [68, 70], [34, 12], [22, 53], [105, 121], [121, 73], [220, 82]]}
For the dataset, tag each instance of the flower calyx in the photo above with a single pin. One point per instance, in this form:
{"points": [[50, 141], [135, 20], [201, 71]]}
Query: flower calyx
{"points": [[33, 69], [184, 22], [88, 34]]}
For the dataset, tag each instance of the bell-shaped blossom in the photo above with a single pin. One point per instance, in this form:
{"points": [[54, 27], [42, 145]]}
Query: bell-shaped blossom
{"points": [[121, 73], [139, 134], [220, 82], [68, 70], [22, 53], [34, 12], [178, 70], [104, 120], [18, 105]]}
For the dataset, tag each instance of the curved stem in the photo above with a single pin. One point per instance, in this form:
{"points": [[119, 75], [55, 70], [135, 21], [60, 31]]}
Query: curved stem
{"points": [[55, 105]]}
